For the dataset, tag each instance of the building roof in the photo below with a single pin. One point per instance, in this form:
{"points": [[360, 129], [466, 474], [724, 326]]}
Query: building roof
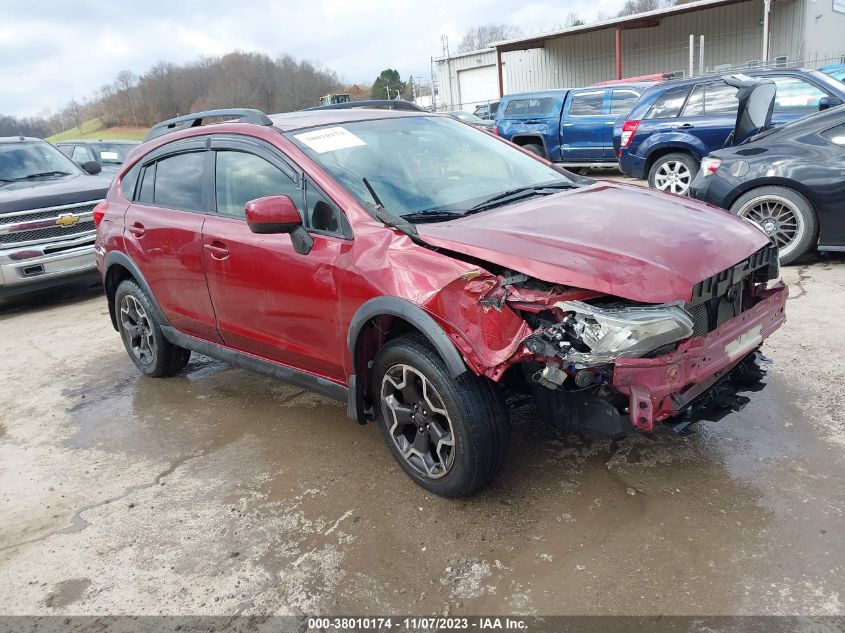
{"points": [[639, 20]]}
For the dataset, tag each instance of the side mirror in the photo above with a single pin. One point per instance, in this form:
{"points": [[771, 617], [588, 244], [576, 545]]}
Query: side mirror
{"points": [[829, 102], [273, 214], [92, 167], [278, 214]]}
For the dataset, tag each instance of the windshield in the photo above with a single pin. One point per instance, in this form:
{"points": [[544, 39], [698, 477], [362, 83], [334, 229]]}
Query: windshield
{"points": [[114, 153], [30, 161], [428, 164]]}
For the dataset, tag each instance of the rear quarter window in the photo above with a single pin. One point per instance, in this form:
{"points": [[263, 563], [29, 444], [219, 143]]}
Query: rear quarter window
{"points": [[835, 135], [668, 104], [530, 106]]}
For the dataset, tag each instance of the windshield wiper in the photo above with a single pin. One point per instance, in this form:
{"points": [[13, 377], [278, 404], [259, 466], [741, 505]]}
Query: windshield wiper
{"points": [[432, 215], [383, 215], [511, 195], [42, 174]]}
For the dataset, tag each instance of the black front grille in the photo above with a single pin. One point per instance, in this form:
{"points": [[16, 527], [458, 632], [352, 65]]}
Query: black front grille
{"points": [[725, 295], [45, 214], [47, 233]]}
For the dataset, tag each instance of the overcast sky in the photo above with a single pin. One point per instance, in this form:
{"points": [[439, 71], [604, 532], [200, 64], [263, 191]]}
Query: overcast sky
{"points": [[55, 50]]}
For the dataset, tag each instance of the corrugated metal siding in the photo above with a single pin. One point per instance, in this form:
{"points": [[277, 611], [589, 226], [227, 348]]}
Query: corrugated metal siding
{"points": [[733, 34], [448, 83]]}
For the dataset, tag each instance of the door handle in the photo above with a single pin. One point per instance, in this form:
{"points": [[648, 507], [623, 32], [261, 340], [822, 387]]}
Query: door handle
{"points": [[217, 249], [566, 124], [137, 229], [610, 122], [684, 126]]}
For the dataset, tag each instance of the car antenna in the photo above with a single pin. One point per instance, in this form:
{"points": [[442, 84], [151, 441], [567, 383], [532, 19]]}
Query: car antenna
{"points": [[383, 215]]}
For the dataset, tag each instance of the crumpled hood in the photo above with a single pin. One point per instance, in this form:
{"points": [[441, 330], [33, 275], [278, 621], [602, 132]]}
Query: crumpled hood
{"points": [[621, 240], [52, 192]]}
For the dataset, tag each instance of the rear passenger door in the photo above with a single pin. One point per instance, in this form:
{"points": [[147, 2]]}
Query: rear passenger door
{"points": [[709, 115], [269, 300], [582, 126], [163, 234]]}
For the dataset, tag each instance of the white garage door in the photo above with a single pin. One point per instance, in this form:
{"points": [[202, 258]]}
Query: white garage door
{"points": [[478, 85]]}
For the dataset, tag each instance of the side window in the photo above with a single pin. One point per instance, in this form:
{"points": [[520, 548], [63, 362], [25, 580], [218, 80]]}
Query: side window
{"points": [[835, 135], [127, 184], [587, 104], [796, 95], [695, 103], [145, 194], [520, 107], [65, 149], [668, 105], [720, 98], [623, 101], [178, 182], [80, 154], [321, 213], [241, 177]]}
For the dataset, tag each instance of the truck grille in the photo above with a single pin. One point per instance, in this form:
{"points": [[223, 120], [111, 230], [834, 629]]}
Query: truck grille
{"points": [[727, 294], [12, 234]]}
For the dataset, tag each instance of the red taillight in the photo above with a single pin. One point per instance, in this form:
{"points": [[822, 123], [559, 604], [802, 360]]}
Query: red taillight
{"points": [[99, 212], [629, 128], [495, 130]]}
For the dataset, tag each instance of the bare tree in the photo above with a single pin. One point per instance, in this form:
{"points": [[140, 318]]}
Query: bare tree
{"points": [[126, 79], [632, 7], [482, 36]]}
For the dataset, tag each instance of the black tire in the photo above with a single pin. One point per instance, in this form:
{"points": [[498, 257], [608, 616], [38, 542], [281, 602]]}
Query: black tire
{"points": [[152, 354], [762, 204], [480, 427], [686, 166], [534, 148]]}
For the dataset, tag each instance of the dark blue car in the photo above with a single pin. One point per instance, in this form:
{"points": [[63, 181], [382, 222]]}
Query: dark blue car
{"points": [[572, 126], [678, 122]]}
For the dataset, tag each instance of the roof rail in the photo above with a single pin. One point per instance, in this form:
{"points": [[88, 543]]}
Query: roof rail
{"points": [[243, 115]]}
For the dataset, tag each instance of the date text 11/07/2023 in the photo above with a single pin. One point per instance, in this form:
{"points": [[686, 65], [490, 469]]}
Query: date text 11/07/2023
{"points": [[417, 623]]}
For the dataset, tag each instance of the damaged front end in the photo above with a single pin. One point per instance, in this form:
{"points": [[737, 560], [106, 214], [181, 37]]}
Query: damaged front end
{"points": [[608, 365]]}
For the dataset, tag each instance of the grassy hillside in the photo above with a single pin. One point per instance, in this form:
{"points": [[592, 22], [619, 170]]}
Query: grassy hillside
{"points": [[94, 129]]}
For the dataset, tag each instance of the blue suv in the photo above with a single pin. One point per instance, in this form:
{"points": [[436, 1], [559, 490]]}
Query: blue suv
{"points": [[573, 127], [678, 122]]}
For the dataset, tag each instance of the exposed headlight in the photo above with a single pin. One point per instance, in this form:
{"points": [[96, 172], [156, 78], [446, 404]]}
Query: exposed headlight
{"points": [[627, 332]]}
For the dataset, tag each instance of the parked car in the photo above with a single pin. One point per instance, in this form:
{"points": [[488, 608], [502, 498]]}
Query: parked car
{"points": [[473, 120], [837, 71], [676, 123], [46, 210], [789, 180], [372, 104], [418, 269], [108, 154], [571, 127], [487, 110]]}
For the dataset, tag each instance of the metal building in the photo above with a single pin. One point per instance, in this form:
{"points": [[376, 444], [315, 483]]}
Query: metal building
{"points": [[725, 33]]}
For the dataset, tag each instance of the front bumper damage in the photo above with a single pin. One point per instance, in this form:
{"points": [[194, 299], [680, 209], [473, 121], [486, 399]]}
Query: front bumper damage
{"points": [[704, 374]]}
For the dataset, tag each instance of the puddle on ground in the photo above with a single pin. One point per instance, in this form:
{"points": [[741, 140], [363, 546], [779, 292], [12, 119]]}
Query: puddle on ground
{"points": [[650, 523]]}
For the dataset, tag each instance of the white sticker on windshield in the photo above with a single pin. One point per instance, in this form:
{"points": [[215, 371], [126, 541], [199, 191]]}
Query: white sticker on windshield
{"points": [[329, 139], [109, 155]]}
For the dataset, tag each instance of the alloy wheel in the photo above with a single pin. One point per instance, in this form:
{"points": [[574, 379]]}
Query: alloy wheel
{"points": [[417, 421], [137, 329], [673, 176], [779, 217]]}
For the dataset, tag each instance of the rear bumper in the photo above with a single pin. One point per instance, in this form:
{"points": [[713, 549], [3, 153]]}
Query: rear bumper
{"points": [[27, 268], [663, 387], [632, 165]]}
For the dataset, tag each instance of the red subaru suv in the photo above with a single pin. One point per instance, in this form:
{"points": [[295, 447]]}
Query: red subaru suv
{"points": [[430, 275]]}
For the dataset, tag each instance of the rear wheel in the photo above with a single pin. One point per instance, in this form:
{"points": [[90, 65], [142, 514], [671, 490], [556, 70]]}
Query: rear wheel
{"points": [[673, 173], [534, 148], [784, 214], [450, 435], [141, 332]]}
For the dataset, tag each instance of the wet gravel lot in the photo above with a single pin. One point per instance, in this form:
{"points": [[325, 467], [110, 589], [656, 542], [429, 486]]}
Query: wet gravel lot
{"points": [[221, 492]]}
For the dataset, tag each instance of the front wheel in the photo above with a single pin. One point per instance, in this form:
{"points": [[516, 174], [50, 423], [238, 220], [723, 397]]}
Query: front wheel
{"points": [[784, 214], [534, 148], [673, 173], [450, 435]]}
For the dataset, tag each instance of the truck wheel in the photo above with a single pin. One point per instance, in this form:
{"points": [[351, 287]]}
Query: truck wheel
{"points": [[673, 173], [450, 435], [534, 148], [784, 214], [141, 332]]}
